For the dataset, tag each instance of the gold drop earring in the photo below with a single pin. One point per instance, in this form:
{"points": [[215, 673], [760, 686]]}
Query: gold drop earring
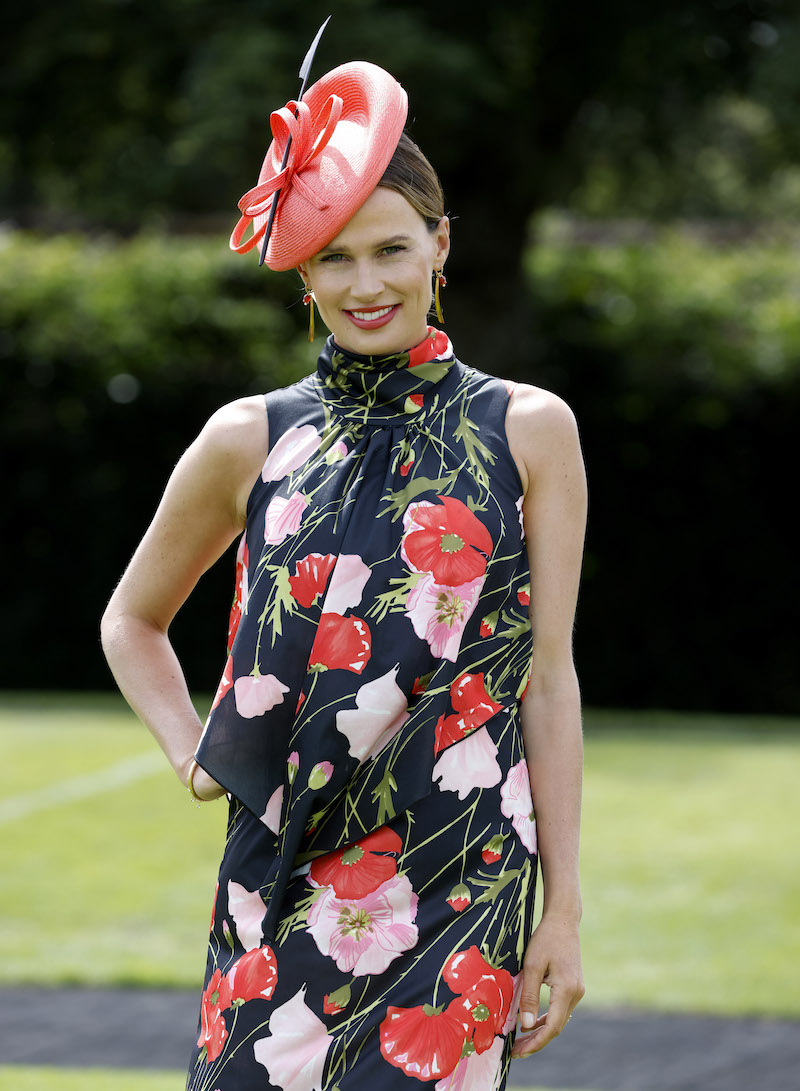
{"points": [[308, 300], [440, 279]]}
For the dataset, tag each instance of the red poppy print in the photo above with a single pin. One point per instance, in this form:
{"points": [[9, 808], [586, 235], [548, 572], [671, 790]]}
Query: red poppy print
{"points": [[254, 976], [213, 1032], [524, 596], [424, 1042], [459, 897], [485, 998], [359, 869], [311, 577], [436, 344], [447, 540], [337, 1001], [240, 594], [341, 643], [493, 849], [473, 707], [421, 684]]}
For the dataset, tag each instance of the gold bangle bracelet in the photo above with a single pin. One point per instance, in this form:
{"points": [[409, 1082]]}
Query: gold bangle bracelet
{"points": [[190, 785]]}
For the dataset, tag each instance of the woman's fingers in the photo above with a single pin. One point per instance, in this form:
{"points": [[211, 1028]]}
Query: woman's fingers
{"points": [[551, 1024], [529, 1001], [546, 1028], [552, 959], [524, 1042]]}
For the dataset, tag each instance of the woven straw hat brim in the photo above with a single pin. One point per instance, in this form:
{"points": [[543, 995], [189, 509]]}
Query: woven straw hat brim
{"points": [[347, 130]]}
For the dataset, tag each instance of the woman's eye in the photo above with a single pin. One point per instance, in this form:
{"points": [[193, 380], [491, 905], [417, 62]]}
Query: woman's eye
{"points": [[335, 258], [393, 249]]}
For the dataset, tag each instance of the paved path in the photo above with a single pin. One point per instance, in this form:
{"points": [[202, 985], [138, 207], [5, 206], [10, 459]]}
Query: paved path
{"points": [[607, 1050]]}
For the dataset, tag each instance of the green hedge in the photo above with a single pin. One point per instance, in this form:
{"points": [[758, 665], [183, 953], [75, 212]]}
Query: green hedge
{"points": [[680, 358], [113, 355], [682, 361]]}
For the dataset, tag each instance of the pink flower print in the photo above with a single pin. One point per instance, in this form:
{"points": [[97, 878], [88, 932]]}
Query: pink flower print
{"points": [[521, 519], [439, 613], [320, 775], [471, 763], [347, 584], [256, 695], [283, 517], [380, 713], [336, 452], [410, 525], [295, 1051], [247, 909], [365, 935], [518, 805], [516, 997], [295, 447], [476, 1071], [272, 816], [292, 765]]}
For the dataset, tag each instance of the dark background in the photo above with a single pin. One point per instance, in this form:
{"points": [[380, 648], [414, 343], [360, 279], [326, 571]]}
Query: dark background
{"points": [[624, 183]]}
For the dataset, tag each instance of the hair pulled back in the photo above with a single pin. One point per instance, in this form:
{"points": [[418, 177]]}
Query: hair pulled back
{"points": [[411, 175]]}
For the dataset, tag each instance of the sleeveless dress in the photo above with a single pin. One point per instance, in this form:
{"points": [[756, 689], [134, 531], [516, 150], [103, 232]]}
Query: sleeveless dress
{"points": [[376, 891]]}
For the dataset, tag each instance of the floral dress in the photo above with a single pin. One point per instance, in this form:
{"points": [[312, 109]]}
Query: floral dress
{"points": [[376, 890]]}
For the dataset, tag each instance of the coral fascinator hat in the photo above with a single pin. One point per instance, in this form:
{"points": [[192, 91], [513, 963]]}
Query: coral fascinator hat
{"points": [[345, 131]]}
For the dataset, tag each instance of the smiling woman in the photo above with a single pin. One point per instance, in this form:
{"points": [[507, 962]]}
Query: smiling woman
{"points": [[372, 283], [383, 743]]}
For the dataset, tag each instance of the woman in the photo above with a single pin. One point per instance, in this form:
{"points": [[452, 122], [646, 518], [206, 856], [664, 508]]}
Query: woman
{"points": [[377, 726]]}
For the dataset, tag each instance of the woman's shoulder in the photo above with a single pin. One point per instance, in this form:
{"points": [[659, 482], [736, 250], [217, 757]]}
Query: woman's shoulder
{"points": [[237, 429], [535, 405], [231, 448], [541, 429]]}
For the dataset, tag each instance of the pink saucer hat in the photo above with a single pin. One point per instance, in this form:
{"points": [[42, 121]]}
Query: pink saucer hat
{"points": [[347, 128]]}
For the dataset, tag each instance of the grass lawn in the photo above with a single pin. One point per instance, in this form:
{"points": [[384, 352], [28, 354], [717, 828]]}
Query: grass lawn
{"points": [[96, 1079], [691, 889], [15, 1078]]}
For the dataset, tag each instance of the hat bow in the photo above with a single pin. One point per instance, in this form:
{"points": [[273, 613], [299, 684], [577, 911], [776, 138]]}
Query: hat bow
{"points": [[309, 135]]}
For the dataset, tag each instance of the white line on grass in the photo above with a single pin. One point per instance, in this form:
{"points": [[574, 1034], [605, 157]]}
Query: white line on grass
{"points": [[76, 788]]}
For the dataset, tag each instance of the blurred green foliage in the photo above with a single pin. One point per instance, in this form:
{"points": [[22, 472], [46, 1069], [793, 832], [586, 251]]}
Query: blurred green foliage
{"points": [[681, 359], [677, 303], [113, 355], [567, 140]]}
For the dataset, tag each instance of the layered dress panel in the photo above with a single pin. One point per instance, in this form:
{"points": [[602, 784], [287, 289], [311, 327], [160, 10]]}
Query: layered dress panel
{"points": [[376, 891]]}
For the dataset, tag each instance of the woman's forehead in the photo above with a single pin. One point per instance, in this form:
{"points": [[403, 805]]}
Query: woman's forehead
{"points": [[385, 217]]}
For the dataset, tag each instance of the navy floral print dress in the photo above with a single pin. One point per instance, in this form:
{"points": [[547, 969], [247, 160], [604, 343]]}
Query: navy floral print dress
{"points": [[376, 891]]}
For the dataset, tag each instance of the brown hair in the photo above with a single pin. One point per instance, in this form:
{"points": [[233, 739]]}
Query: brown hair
{"points": [[410, 174]]}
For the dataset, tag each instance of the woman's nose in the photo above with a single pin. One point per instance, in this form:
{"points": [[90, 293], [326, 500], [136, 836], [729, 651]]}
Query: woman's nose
{"points": [[367, 282]]}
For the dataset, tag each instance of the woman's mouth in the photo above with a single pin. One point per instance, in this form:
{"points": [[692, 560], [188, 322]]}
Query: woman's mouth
{"points": [[370, 318]]}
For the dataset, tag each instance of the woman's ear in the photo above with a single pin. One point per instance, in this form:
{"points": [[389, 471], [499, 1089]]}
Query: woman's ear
{"points": [[441, 236]]}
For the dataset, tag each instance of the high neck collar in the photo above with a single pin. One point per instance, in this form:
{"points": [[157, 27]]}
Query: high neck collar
{"points": [[379, 389]]}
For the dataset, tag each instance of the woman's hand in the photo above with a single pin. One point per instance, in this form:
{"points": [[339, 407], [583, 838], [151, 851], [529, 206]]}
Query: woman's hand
{"points": [[205, 787], [552, 958]]}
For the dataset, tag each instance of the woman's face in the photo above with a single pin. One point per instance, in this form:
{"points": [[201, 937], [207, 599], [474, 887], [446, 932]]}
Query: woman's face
{"points": [[372, 283]]}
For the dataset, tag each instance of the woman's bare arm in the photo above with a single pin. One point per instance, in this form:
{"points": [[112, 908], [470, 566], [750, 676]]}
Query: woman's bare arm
{"points": [[202, 511], [544, 440]]}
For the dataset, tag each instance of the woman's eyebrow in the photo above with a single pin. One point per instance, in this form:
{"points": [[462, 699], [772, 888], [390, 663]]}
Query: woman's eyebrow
{"points": [[332, 248]]}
